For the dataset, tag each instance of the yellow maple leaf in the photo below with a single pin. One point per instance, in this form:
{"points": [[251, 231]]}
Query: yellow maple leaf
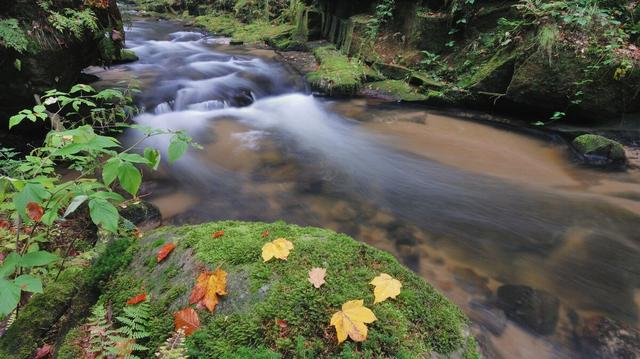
{"points": [[351, 321], [385, 287], [279, 248]]}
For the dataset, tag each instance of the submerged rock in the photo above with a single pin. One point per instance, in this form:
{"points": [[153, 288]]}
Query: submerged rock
{"points": [[598, 150], [271, 309], [601, 337], [534, 309]]}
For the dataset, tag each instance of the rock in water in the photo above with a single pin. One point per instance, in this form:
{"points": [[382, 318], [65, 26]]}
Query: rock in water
{"points": [[602, 337], [534, 309], [144, 215], [599, 151]]}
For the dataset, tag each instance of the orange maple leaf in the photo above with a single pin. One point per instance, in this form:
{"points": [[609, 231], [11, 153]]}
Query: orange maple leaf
{"points": [[218, 234], [165, 250], [187, 320], [137, 299], [35, 211], [209, 286]]}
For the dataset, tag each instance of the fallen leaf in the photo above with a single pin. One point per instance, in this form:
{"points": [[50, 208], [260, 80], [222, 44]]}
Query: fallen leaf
{"points": [[4, 224], [316, 276], [265, 234], [44, 351], [279, 248], [385, 287], [187, 320], [351, 321], [137, 299], [165, 250], [209, 286], [137, 233], [35, 211], [218, 234], [283, 324]]}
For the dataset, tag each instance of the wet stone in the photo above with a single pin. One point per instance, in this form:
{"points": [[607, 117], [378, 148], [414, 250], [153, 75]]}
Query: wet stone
{"points": [[533, 309], [601, 337]]}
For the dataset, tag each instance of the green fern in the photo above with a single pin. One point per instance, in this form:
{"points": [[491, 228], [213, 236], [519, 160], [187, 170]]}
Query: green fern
{"points": [[174, 347], [74, 21], [135, 321], [100, 331], [12, 36]]}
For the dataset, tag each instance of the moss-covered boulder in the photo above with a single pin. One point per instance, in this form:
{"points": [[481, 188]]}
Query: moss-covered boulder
{"points": [[337, 74], [272, 310], [599, 150], [395, 89], [126, 56]]}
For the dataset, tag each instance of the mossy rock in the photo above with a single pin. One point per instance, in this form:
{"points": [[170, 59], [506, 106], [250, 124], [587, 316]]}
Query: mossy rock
{"points": [[599, 150], [126, 56], [419, 323], [392, 71], [396, 89], [337, 74]]}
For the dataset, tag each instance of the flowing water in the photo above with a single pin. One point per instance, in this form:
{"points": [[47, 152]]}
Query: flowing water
{"points": [[468, 206]]}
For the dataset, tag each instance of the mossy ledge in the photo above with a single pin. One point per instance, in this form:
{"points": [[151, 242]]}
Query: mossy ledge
{"points": [[419, 323]]}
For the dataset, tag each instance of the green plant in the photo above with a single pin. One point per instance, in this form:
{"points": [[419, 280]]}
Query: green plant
{"points": [[77, 22], [174, 347], [383, 13], [34, 196], [12, 36], [105, 342]]}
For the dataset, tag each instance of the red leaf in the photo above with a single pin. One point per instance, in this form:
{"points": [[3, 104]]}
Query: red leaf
{"points": [[165, 250], [35, 211], [218, 234], [265, 234], [44, 352], [4, 224], [137, 299], [187, 320]]}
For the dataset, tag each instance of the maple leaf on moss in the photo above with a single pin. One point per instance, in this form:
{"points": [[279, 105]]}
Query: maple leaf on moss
{"points": [[316, 276], [279, 249], [351, 321], [385, 287], [165, 250], [209, 286]]}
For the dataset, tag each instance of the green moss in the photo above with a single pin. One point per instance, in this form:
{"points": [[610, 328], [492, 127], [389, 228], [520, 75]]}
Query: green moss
{"points": [[594, 145], [64, 301], [279, 35], [69, 349], [126, 56], [337, 74], [397, 89], [489, 72], [419, 322]]}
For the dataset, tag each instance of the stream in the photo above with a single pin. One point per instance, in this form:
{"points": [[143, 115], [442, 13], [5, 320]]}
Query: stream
{"points": [[467, 205]]}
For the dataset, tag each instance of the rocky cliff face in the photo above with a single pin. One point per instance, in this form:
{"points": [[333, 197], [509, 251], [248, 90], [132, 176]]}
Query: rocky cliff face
{"points": [[45, 45]]}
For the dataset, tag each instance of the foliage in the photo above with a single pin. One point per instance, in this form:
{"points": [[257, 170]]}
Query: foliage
{"points": [[383, 13], [76, 22], [107, 342], [34, 195], [12, 36], [174, 347], [316, 276]]}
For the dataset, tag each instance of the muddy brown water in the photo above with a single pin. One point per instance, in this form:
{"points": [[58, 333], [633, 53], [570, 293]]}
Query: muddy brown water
{"points": [[469, 206]]}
